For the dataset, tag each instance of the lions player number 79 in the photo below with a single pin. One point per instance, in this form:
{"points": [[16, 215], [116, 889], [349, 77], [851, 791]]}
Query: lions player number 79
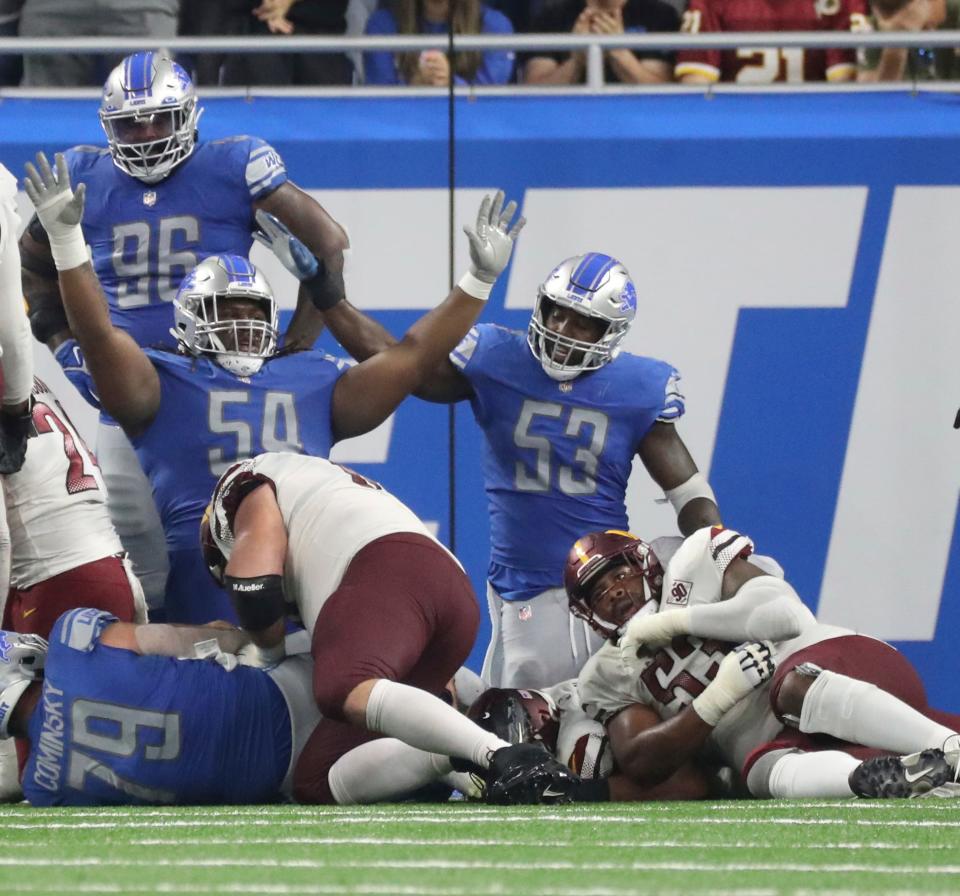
{"points": [[115, 730]]}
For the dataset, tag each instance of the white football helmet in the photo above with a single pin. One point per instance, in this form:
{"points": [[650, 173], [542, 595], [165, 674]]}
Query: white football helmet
{"points": [[149, 89], [21, 662], [203, 326], [594, 285]]}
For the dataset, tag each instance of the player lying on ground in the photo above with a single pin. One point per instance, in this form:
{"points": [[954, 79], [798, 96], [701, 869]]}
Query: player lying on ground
{"points": [[112, 716], [837, 697]]}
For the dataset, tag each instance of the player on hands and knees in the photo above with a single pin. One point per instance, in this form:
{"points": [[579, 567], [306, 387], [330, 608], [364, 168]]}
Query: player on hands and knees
{"points": [[391, 615]]}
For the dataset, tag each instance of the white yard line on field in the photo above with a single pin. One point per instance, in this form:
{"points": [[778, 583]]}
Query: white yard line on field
{"points": [[52, 859], [43, 821]]}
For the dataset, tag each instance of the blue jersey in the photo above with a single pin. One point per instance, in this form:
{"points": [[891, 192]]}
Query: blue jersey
{"points": [[210, 418], [556, 456], [114, 727], [145, 237]]}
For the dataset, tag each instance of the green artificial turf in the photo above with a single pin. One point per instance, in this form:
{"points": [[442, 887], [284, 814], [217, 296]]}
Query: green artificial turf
{"points": [[447, 850]]}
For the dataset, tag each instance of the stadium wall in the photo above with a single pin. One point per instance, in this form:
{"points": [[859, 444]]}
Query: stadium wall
{"points": [[796, 259]]}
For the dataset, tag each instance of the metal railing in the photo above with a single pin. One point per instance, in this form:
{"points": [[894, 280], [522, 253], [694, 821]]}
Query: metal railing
{"points": [[593, 45]]}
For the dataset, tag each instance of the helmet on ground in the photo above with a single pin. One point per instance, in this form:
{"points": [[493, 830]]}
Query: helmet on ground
{"points": [[22, 658], [518, 716], [149, 113], [596, 286], [205, 319]]}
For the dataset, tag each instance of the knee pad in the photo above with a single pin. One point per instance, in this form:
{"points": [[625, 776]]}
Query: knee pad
{"points": [[830, 703]]}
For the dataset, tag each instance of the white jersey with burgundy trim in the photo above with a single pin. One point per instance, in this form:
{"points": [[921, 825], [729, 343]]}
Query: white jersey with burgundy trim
{"points": [[330, 512], [670, 678], [56, 504]]}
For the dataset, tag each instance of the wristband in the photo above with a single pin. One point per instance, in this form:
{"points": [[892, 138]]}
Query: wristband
{"points": [[474, 286], [70, 250]]}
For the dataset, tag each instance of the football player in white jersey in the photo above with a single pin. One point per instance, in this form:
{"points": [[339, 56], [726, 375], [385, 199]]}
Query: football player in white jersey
{"points": [[391, 616], [670, 627]]}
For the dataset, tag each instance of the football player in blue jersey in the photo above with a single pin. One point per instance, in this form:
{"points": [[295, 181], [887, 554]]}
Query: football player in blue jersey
{"points": [[228, 393], [113, 718], [563, 413], [159, 201], [121, 714]]}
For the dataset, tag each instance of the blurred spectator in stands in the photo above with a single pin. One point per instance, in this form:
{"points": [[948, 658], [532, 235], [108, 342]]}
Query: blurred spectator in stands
{"points": [[520, 12], [601, 17], [898, 63], [769, 64], [89, 18], [266, 19], [432, 68], [11, 67]]}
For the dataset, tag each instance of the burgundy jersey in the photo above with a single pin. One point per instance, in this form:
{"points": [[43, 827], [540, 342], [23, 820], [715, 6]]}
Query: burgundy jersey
{"points": [[766, 65]]}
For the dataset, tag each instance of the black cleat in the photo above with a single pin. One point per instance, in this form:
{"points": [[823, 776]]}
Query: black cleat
{"points": [[526, 774], [902, 777]]}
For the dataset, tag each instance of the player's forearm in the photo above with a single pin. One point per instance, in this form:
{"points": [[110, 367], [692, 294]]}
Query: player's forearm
{"points": [[765, 608], [88, 314], [360, 335], [179, 640], [651, 756]]}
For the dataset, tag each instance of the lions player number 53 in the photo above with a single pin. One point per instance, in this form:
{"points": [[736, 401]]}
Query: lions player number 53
{"points": [[576, 479]]}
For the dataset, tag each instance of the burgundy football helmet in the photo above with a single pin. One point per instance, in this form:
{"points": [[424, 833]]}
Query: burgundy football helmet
{"points": [[595, 553], [518, 716]]}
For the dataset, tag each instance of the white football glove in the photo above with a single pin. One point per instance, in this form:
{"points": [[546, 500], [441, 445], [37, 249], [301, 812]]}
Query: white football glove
{"points": [[747, 667], [492, 237], [293, 254], [653, 630], [59, 209]]}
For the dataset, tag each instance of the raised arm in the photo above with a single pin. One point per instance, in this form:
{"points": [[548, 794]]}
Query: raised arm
{"points": [[361, 335], [325, 238], [127, 382], [367, 394], [670, 465]]}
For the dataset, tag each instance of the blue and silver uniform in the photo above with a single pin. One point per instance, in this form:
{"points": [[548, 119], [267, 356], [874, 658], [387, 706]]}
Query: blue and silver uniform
{"points": [[556, 456], [207, 420], [114, 727], [144, 238]]}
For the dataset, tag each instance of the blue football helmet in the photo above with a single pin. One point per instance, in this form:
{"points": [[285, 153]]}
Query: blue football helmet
{"points": [[22, 658], [596, 286], [149, 113], [204, 325]]}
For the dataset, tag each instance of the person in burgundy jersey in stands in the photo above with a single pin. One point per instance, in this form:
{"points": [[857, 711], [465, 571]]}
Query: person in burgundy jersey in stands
{"points": [[768, 65]]}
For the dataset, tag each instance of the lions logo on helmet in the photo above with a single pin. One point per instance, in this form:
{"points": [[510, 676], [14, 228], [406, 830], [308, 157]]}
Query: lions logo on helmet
{"points": [[21, 662], [205, 318], [149, 113], [596, 286]]}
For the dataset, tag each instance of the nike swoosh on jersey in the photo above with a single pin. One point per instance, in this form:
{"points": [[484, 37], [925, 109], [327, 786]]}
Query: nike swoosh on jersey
{"points": [[26, 613]]}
